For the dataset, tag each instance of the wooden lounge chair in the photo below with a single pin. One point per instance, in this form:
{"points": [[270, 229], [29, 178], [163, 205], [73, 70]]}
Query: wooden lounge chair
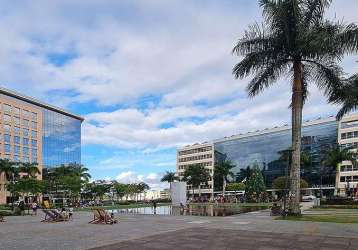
{"points": [[96, 217], [49, 216], [107, 218], [60, 216], [100, 216]]}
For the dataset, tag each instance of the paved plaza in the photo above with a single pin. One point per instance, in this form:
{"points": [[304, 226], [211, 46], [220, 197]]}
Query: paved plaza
{"points": [[256, 230]]}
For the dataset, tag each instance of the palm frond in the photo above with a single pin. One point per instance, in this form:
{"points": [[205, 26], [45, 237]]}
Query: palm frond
{"points": [[266, 76], [314, 11]]}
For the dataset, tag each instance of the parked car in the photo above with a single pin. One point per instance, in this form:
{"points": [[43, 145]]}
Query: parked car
{"points": [[308, 197]]}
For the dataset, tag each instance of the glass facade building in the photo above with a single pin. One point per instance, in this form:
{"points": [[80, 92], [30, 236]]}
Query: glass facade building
{"points": [[268, 150], [60, 131]]}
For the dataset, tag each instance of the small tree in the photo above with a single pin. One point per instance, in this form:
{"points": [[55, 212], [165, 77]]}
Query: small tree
{"points": [[169, 177], [222, 171], [195, 175], [255, 186], [120, 190], [280, 183], [235, 186]]}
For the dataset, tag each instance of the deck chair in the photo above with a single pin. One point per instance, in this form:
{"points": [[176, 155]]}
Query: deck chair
{"points": [[49, 216], [105, 217], [60, 216], [96, 217]]}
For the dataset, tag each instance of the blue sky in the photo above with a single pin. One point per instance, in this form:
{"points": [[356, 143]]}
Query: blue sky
{"points": [[148, 75]]}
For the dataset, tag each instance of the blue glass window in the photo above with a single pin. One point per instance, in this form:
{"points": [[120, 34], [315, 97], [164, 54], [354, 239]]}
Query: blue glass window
{"points": [[17, 150], [25, 150], [17, 140], [25, 132], [7, 108], [34, 116], [7, 128], [17, 130], [7, 138], [7, 148], [34, 125], [25, 141], [267, 151], [34, 153], [34, 143]]}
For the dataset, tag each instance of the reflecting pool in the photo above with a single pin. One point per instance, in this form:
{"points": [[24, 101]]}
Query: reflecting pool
{"points": [[193, 210]]}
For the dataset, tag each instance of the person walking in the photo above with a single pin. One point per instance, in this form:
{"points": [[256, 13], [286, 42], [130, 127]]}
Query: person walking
{"points": [[34, 207]]}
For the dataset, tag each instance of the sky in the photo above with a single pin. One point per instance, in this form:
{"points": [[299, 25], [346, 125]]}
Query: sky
{"points": [[148, 76]]}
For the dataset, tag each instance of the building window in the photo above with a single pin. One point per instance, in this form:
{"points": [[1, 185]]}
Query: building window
{"points": [[17, 120], [7, 156], [33, 134], [25, 150], [25, 141], [34, 143], [16, 111], [17, 139], [7, 128], [34, 125], [17, 130], [17, 150], [34, 153], [26, 113], [16, 158], [25, 132], [7, 108], [7, 118], [25, 123], [7, 138], [7, 148], [34, 116], [26, 159], [349, 124]]}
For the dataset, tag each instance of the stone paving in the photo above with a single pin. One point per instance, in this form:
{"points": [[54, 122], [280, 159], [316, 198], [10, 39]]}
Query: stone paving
{"points": [[135, 230]]}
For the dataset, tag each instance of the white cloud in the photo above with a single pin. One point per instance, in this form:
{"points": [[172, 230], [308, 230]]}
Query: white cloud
{"points": [[152, 179]]}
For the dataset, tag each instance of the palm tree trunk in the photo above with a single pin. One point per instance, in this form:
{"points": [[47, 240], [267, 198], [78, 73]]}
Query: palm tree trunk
{"points": [[224, 186], [297, 105]]}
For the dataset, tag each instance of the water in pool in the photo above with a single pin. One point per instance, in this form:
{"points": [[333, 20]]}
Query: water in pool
{"points": [[198, 210]]}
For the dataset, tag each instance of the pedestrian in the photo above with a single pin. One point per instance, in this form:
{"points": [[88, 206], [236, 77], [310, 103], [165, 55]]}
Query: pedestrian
{"points": [[34, 208], [21, 207], [70, 213]]}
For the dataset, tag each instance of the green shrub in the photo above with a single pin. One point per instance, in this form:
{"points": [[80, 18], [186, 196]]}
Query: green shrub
{"points": [[6, 213], [339, 201]]}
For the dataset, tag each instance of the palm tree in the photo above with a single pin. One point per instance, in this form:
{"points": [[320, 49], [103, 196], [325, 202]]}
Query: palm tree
{"points": [[295, 40], [82, 172], [195, 175], [10, 170], [333, 157], [169, 177], [30, 169], [222, 170], [346, 96]]}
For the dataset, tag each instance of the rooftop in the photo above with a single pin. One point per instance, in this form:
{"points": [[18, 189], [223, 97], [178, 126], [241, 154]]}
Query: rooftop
{"points": [[38, 103]]}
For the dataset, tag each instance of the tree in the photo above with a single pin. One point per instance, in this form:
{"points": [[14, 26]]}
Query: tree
{"points": [[280, 183], [222, 171], [236, 186], [295, 40], [30, 169], [346, 96], [169, 177], [195, 175], [255, 185], [120, 190], [244, 174], [11, 172], [142, 187], [333, 157]]}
